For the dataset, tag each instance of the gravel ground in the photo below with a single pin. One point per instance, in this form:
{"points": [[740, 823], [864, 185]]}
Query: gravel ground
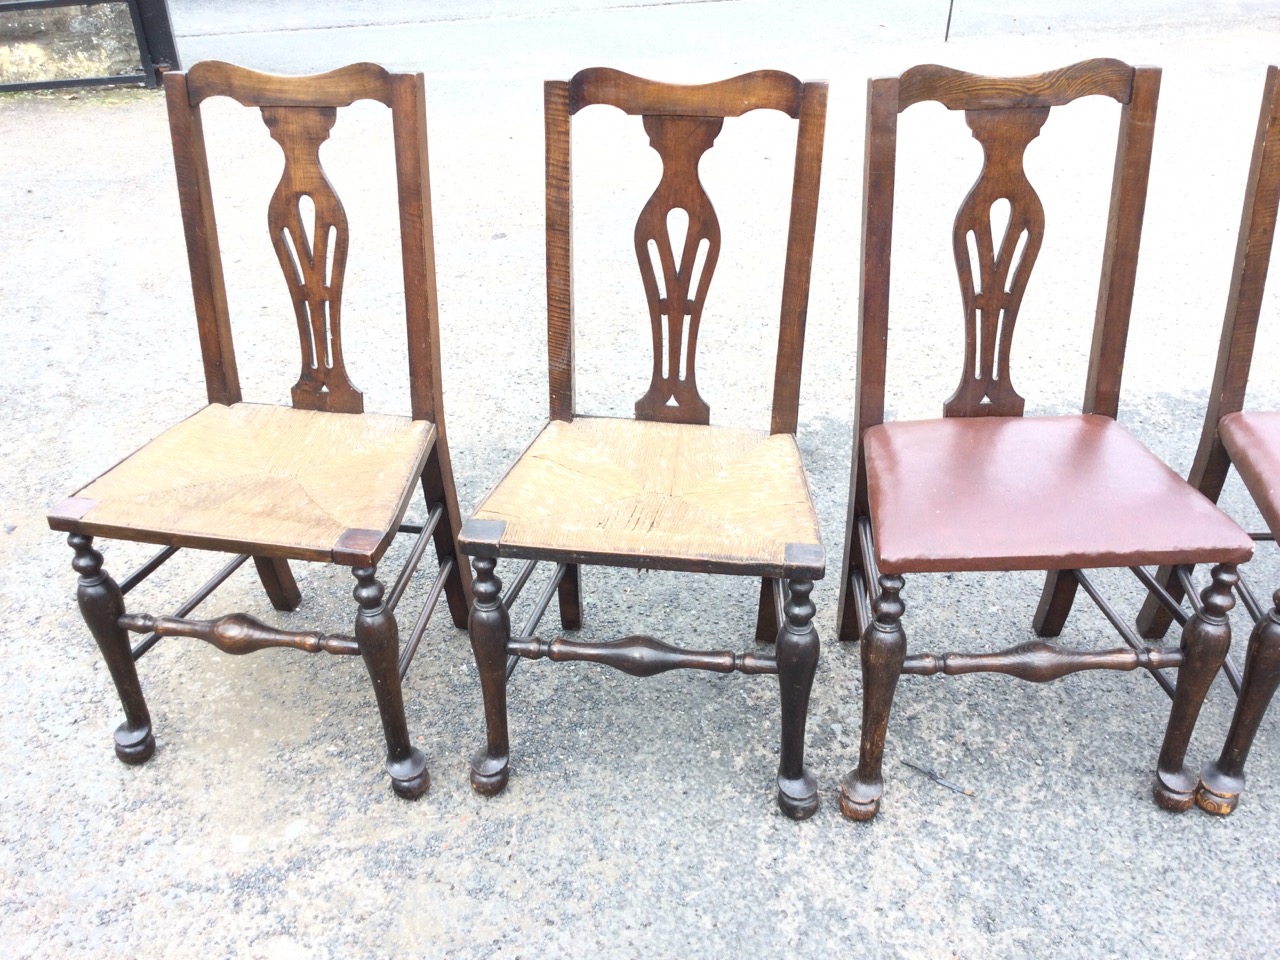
{"points": [[640, 818]]}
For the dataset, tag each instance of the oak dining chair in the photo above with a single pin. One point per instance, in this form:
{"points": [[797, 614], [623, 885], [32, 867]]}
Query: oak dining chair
{"points": [[320, 480], [1249, 440], [666, 490], [985, 488]]}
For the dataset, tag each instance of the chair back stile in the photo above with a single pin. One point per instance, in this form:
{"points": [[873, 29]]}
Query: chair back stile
{"points": [[1244, 301], [682, 123]]}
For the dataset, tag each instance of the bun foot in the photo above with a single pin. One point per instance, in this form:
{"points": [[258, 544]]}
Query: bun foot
{"points": [[859, 801], [489, 775], [134, 746], [409, 777], [1218, 793], [798, 799], [1175, 792]]}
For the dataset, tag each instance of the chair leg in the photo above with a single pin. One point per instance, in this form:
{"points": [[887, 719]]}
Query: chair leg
{"points": [[102, 606], [379, 641], [439, 488], [846, 611], [1055, 603], [884, 648], [1205, 640], [1222, 782], [570, 598], [490, 630], [1154, 619], [277, 580], [766, 613], [797, 657]]}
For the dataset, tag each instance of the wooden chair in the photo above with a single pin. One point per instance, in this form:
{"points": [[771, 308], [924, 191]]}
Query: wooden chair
{"points": [[986, 489], [321, 480], [1251, 441], [666, 490]]}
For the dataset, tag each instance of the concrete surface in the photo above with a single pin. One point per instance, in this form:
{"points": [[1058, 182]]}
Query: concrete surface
{"points": [[640, 818]]}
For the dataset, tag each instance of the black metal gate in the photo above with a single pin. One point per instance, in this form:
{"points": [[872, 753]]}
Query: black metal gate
{"points": [[152, 30]]}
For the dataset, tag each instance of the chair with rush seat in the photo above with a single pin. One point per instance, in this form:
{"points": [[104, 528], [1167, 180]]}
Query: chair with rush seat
{"points": [[666, 490], [320, 480], [1249, 440], [987, 489]]}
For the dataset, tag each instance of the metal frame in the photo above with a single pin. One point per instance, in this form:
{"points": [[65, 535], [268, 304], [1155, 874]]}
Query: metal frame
{"points": [[157, 51]]}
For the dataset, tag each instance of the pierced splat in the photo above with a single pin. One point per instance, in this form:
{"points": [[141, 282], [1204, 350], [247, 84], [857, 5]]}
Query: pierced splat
{"points": [[676, 291], [994, 270], [312, 255]]}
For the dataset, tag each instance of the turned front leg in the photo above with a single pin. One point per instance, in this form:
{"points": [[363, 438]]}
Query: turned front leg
{"points": [[379, 641], [797, 657], [1222, 781], [1205, 640], [490, 630], [884, 648], [102, 606]]}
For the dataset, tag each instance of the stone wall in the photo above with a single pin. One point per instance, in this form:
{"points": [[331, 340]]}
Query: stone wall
{"points": [[95, 40]]}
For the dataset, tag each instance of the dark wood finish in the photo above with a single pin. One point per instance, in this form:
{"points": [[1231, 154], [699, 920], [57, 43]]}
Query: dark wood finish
{"points": [[796, 651], [102, 606], [277, 579], [569, 594], [1222, 781], [238, 634], [1239, 327], [557, 110], [1205, 640], [769, 616], [884, 649], [1230, 436], [1021, 493], [703, 499], [490, 631], [374, 462], [379, 643], [313, 256], [640, 656], [676, 295], [992, 288], [1039, 662]]}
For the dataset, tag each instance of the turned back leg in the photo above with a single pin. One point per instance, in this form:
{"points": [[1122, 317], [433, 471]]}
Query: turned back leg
{"points": [[1055, 603], [277, 580], [1222, 782], [1205, 639], [569, 593], [884, 648]]}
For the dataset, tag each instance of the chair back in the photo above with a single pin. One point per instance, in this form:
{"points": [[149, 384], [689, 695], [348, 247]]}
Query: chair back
{"points": [[299, 113], [682, 123]]}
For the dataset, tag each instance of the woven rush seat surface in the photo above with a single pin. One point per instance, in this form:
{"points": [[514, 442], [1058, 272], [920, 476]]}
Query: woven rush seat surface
{"points": [[246, 476], [665, 495], [1034, 493]]}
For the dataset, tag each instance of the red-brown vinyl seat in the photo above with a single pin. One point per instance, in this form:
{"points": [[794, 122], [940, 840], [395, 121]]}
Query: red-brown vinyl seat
{"points": [[1035, 493], [1253, 440]]}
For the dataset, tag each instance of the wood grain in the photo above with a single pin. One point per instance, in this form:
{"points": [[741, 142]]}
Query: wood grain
{"points": [[251, 88], [761, 90], [957, 90]]}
